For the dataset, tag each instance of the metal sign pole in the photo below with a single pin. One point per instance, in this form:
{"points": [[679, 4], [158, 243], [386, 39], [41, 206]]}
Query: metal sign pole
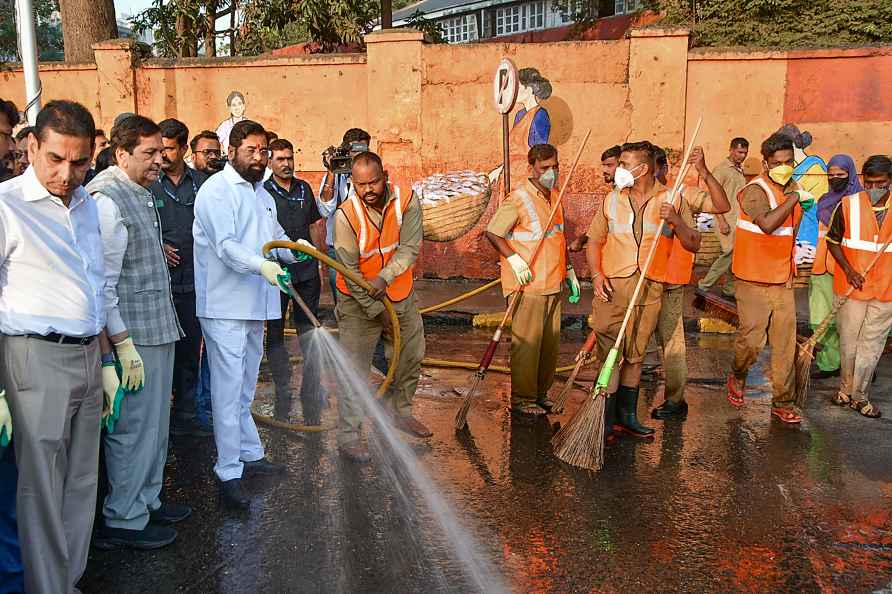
{"points": [[506, 157], [504, 87], [28, 48]]}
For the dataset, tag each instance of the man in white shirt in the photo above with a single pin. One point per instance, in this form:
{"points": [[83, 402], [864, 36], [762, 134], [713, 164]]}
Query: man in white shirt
{"points": [[51, 312], [143, 326], [236, 292]]}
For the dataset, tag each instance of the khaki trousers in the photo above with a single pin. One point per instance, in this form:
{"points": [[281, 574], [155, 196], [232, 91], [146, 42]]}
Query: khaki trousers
{"points": [[535, 342], [359, 336], [767, 312], [863, 329], [670, 333], [55, 396]]}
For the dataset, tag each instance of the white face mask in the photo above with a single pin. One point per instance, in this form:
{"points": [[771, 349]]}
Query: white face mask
{"points": [[623, 178]]}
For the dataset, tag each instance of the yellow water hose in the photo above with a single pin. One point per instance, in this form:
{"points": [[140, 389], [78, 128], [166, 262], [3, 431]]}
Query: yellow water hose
{"points": [[388, 306], [460, 298]]}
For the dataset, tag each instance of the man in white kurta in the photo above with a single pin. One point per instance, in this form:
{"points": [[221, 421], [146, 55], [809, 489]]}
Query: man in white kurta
{"points": [[235, 289]]}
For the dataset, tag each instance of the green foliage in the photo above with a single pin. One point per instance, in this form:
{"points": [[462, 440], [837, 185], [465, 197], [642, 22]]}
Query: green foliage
{"points": [[176, 25], [433, 31], [784, 23], [49, 31]]}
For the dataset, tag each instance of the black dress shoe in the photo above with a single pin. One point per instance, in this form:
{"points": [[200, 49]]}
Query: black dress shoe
{"points": [[149, 538], [170, 513], [263, 467], [190, 429], [231, 494], [670, 409], [820, 374]]}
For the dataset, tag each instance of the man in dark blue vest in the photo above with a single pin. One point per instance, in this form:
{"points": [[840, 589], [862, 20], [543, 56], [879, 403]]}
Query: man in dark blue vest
{"points": [[296, 210], [174, 194]]}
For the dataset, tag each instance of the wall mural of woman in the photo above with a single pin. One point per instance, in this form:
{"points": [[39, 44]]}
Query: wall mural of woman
{"points": [[235, 101]]}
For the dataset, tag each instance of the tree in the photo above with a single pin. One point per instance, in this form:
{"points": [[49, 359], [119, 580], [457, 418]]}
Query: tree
{"points": [[85, 22], [49, 32], [179, 27], [784, 23]]}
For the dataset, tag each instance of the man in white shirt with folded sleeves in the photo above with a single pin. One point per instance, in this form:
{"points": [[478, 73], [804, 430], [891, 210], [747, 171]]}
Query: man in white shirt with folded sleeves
{"points": [[236, 292]]}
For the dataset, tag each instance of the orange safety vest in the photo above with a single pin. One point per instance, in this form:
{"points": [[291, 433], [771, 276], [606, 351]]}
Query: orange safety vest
{"points": [[860, 244], [824, 262], [550, 268], [622, 255], [760, 257], [377, 246]]}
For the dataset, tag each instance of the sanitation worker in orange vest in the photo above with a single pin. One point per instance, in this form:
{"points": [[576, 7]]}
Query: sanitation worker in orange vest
{"points": [[378, 235], [620, 239], [515, 231], [670, 327], [771, 206], [859, 227]]}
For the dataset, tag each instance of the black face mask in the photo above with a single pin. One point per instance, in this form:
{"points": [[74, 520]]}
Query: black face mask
{"points": [[838, 184]]}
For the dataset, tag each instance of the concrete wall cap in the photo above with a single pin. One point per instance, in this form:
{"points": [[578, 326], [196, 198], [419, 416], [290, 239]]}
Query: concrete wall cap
{"points": [[122, 43], [658, 32], [393, 35]]}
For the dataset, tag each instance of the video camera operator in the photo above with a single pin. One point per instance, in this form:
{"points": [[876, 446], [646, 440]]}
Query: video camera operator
{"points": [[336, 186]]}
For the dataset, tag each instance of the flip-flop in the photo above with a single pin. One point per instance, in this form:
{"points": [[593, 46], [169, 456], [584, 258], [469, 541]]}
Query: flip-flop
{"points": [[841, 399], [788, 415], [735, 396]]}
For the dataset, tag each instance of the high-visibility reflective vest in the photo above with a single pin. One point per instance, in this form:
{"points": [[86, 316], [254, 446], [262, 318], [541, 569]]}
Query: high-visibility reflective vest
{"points": [[377, 246], [760, 257], [824, 262], [622, 255], [550, 268], [862, 240]]}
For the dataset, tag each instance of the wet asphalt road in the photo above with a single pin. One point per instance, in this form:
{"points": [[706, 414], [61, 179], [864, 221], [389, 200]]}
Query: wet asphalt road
{"points": [[725, 501]]}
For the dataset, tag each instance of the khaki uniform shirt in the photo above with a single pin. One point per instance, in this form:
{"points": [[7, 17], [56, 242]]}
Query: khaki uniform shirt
{"points": [[732, 180], [346, 246]]}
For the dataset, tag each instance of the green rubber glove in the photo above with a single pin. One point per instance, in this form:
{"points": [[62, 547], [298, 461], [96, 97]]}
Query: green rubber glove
{"points": [[284, 280], [113, 393], [572, 285], [5, 421], [300, 256]]}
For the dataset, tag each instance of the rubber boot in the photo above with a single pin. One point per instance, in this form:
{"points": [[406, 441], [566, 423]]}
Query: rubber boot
{"points": [[280, 369], [610, 436], [627, 413]]}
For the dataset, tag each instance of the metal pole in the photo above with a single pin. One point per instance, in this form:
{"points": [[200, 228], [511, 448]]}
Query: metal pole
{"points": [[28, 48], [506, 157]]}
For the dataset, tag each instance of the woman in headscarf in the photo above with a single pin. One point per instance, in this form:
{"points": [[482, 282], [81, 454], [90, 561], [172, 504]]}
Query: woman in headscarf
{"points": [[843, 181]]}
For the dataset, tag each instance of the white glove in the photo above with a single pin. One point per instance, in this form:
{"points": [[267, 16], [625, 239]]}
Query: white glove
{"points": [[133, 373], [5, 421], [522, 272], [270, 271]]}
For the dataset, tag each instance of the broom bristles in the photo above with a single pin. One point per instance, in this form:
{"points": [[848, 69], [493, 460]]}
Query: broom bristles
{"points": [[581, 441], [804, 357], [461, 417], [560, 400]]}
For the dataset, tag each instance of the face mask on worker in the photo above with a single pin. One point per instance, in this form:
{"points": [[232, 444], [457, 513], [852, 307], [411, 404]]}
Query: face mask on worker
{"points": [[548, 179], [781, 174], [838, 184], [877, 193], [624, 178]]}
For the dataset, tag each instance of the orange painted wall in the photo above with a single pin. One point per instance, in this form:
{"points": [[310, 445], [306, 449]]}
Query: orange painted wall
{"points": [[60, 81]]}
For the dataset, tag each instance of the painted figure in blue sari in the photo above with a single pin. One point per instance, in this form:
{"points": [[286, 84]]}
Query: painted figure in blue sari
{"points": [[811, 175]]}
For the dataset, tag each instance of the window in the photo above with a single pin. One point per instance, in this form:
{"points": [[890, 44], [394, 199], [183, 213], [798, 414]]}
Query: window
{"points": [[460, 29], [626, 6], [520, 18]]}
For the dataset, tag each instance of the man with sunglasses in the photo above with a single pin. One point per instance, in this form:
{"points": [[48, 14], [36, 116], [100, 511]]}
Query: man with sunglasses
{"points": [[236, 292], [174, 194]]}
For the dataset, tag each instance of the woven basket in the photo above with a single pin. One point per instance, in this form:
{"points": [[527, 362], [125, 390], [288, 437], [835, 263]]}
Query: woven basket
{"points": [[710, 249], [447, 220]]}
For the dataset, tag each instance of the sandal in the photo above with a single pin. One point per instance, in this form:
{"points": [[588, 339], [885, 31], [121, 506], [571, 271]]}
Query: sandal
{"points": [[841, 399], [735, 396], [866, 408], [530, 410], [545, 403], [788, 415]]}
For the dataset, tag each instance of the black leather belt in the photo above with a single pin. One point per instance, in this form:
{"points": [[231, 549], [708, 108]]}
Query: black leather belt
{"points": [[62, 339]]}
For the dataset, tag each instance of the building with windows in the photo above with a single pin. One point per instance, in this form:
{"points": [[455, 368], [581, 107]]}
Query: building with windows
{"points": [[463, 21]]}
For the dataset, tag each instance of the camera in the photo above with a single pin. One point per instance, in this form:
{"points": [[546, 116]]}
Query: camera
{"points": [[337, 159]]}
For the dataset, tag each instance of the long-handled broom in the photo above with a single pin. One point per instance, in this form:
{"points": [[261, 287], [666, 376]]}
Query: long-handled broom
{"points": [[581, 441], [806, 348], [461, 417], [582, 356]]}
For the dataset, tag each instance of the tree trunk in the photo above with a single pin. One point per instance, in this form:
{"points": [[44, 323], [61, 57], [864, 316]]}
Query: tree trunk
{"points": [[210, 40], [185, 31], [386, 14], [85, 22]]}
